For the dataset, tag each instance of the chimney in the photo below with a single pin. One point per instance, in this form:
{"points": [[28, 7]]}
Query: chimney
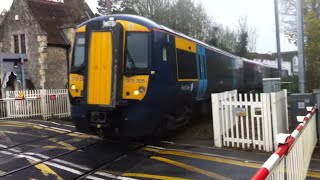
{"points": [[77, 8]]}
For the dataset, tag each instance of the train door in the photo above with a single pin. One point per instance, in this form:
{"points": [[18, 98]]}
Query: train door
{"points": [[202, 72], [103, 65]]}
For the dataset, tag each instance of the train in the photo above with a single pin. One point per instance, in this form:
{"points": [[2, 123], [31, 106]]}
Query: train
{"points": [[132, 77]]}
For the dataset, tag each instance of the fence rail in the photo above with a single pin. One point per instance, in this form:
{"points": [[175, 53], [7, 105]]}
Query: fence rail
{"points": [[291, 160], [35, 103]]}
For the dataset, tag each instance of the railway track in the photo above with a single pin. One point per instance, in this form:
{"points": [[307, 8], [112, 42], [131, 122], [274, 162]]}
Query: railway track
{"points": [[55, 151], [36, 150]]}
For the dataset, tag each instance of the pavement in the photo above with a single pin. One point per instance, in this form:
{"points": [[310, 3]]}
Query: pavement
{"points": [[35, 149]]}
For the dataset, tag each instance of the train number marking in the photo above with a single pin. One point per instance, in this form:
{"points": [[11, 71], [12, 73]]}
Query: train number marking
{"points": [[77, 78], [139, 81]]}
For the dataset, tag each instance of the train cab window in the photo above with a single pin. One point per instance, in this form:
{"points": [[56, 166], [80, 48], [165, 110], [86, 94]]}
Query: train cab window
{"points": [[187, 65], [78, 58], [137, 52]]}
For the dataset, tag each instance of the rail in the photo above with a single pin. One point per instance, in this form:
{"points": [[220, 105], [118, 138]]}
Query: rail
{"points": [[291, 159]]}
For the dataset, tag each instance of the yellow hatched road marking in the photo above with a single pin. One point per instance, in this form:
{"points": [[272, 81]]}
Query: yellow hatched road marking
{"points": [[204, 157], [64, 145], [12, 125], [83, 135], [45, 170], [23, 125], [151, 176], [190, 168], [313, 174]]}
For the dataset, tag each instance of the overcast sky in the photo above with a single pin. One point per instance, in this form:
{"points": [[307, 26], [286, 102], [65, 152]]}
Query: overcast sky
{"points": [[260, 14]]}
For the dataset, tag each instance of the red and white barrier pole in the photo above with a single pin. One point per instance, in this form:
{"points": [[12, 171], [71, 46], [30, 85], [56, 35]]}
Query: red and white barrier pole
{"points": [[286, 142]]}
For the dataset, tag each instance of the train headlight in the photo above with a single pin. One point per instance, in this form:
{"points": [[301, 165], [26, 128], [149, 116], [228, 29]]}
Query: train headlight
{"points": [[73, 87], [136, 92], [142, 89]]}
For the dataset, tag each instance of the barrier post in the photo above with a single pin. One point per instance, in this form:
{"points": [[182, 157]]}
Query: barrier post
{"points": [[216, 120]]}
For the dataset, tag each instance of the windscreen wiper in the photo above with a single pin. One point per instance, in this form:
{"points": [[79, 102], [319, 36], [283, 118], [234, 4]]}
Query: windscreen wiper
{"points": [[132, 63]]}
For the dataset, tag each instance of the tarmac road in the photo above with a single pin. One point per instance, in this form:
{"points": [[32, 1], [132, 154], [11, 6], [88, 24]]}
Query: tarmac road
{"points": [[34, 150]]}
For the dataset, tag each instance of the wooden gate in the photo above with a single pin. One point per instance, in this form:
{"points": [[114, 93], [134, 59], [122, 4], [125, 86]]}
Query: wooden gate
{"points": [[246, 120]]}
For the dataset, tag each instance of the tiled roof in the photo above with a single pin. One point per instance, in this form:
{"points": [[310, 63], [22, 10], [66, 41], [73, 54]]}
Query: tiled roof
{"points": [[52, 16]]}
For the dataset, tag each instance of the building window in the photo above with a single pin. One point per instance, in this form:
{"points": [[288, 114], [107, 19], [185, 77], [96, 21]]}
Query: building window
{"points": [[23, 43], [16, 44], [19, 43]]}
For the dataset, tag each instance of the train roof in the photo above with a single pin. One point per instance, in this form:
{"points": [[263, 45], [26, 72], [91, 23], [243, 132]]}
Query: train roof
{"points": [[153, 25], [128, 17]]}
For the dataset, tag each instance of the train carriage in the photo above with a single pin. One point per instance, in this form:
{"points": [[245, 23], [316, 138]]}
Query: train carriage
{"points": [[133, 77]]}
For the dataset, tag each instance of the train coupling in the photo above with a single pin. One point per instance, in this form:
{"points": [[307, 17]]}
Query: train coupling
{"points": [[99, 120]]}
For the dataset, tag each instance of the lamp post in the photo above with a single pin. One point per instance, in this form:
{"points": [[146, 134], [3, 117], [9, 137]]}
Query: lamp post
{"points": [[278, 37], [300, 35]]}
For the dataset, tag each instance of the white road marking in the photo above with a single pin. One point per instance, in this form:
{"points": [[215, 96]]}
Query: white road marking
{"points": [[60, 161], [3, 146], [66, 130]]}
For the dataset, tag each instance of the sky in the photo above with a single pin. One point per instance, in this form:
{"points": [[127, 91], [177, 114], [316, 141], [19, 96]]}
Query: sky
{"points": [[259, 13]]}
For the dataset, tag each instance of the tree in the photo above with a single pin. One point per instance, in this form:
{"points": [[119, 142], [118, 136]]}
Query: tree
{"points": [[242, 41], [222, 37], [311, 11], [102, 7], [312, 53], [187, 17], [289, 16]]}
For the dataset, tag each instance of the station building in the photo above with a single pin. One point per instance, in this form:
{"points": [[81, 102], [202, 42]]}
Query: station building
{"points": [[43, 31]]}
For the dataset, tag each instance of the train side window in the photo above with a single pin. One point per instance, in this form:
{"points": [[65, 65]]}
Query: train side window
{"points": [[164, 54], [187, 65]]}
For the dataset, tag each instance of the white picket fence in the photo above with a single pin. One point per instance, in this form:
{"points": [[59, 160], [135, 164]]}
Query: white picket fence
{"points": [[53, 103], [249, 121], [291, 160]]}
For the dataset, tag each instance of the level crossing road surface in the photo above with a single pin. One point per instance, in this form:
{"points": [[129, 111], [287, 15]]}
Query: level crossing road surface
{"points": [[35, 149]]}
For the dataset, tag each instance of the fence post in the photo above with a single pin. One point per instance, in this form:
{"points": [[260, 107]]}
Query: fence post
{"points": [[274, 118], [43, 104], [216, 120], [286, 108], [8, 104], [264, 113], [68, 104]]}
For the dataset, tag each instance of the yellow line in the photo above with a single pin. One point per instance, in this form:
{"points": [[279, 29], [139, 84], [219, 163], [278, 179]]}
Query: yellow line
{"points": [[151, 176], [9, 125], [45, 170], [64, 145], [83, 135], [313, 174], [204, 157], [23, 124], [190, 168]]}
